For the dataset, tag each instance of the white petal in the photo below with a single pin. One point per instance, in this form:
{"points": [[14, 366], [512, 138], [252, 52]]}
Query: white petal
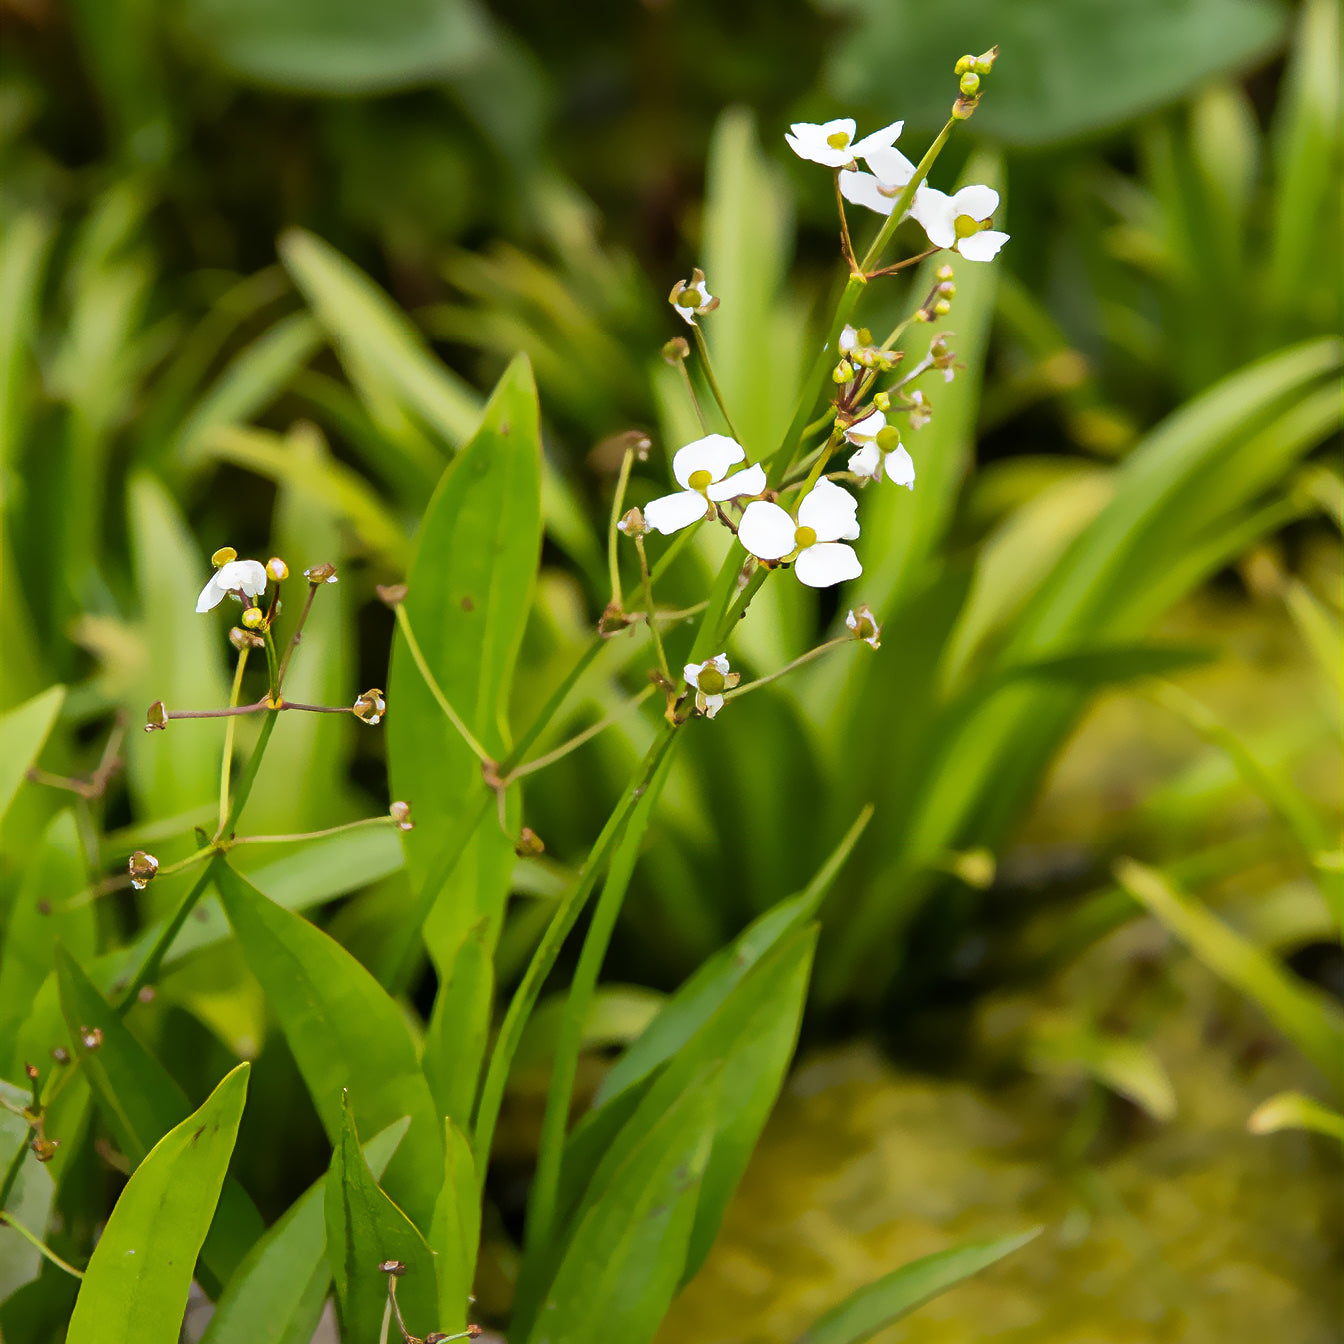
{"points": [[670, 513], [878, 140], [867, 461], [692, 674], [900, 468], [849, 338], [890, 166], [715, 453], [720, 660], [982, 246], [749, 481], [713, 703], [831, 512], [827, 563], [865, 430], [766, 530], [864, 189], [249, 575], [934, 211], [211, 595], [977, 201]]}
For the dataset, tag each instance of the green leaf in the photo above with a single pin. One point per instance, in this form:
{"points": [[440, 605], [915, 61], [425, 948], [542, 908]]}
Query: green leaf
{"points": [[141, 1103], [889, 1299], [1309, 1019], [23, 260], [343, 48], [29, 1201], [23, 730], [623, 1263], [365, 1228], [1295, 1110], [135, 1288], [1066, 67], [276, 1296], [344, 1031], [455, 1233]]}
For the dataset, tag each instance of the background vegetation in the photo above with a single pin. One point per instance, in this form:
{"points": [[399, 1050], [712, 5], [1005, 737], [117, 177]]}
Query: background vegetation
{"points": [[261, 264]]}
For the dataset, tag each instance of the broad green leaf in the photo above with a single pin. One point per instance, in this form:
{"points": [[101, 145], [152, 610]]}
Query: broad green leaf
{"points": [[1310, 1020], [23, 730], [1065, 68], [895, 1296], [1295, 1110], [39, 917], [624, 1261], [276, 1296], [315, 46], [455, 1233], [135, 1288], [364, 1229], [141, 1102], [23, 258], [344, 1031]]}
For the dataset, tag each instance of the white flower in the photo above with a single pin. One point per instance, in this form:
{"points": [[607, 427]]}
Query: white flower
{"points": [[237, 576], [866, 430], [826, 517], [832, 143], [710, 679], [864, 625], [960, 221], [701, 469], [879, 189], [692, 297], [896, 466]]}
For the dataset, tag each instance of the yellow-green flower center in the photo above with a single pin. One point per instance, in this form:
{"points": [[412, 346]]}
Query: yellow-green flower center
{"points": [[839, 140], [965, 225], [711, 680], [805, 537], [701, 480]]}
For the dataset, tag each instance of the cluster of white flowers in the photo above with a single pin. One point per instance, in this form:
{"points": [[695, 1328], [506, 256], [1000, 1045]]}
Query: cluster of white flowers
{"points": [[960, 223]]}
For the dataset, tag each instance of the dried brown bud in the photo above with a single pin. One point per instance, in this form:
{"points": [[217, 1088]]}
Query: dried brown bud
{"points": [[147, 992], [370, 707], [393, 1267], [60, 1054], [677, 349], [632, 523], [156, 718], [401, 814], [142, 868], [245, 639], [321, 574], [45, 1149], [529, 845], [391, 594], [91, 1037], [31, 1071], [612, 621]]}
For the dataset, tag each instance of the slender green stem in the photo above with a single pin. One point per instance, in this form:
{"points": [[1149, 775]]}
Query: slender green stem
{"points": [[707, 366], [272, 661], [646, 582], [233, 711], [690, 392], [758, 682], [39, 1245], [548, 950], [314, 709], [363, 824], [453, 717], [226, 766], [903, 202], [613, 532], [123, 880], [545, 1183], [15, 1166], [822, 458], [296, 636], [846, 244], [552, 706], [574, 743], [240, 794], [149, 968]]}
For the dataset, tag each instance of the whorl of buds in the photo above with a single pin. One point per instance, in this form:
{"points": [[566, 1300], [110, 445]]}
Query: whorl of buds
{"points": [[632, 523], [969, 70], [370, 707], [276, 569], [142, 868], [321, 574], [156, 717], [401, 815]]}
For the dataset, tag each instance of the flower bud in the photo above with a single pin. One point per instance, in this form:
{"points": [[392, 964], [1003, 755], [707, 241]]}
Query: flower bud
{"points": [[677, 349], [320, 574], [245, 639], [142, 868], [60, 1054], [91, 1037], [277, 569], [254, 618], [632, 523], [944, 273], [370, 707], [865, 627], [45, 1149], [394, 1267], [881, 400], [401, 814], [391, 594], [942, 308], [529, 845], [970, 84], [843, 372], [224, 556], [156, 717], [984, 63]]}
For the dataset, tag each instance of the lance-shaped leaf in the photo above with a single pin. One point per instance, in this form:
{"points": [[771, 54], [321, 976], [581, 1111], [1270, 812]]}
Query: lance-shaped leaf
{"points": [[277, 1294], [140, 1102], [23, 730], [135, 1288], [364, 1230], [880, 1304], [455, 1233], [344, 1031]]}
